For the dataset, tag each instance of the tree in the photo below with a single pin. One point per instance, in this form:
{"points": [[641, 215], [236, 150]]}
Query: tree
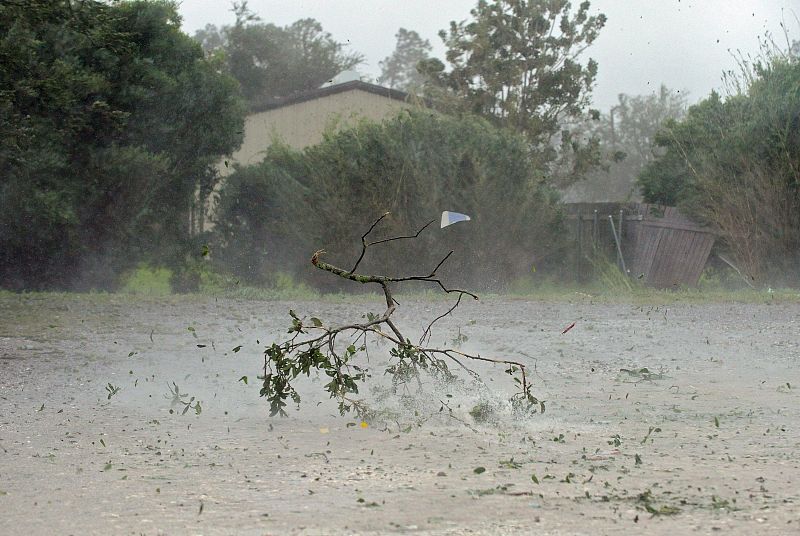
{"points": [[114, 120], [626, 136], [733, 163], [399, 71], [271, 61], [257, 236], [517, 62], [415, 165]]}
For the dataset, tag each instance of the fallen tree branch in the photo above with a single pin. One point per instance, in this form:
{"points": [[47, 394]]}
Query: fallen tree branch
{"points": [[305, 351]]}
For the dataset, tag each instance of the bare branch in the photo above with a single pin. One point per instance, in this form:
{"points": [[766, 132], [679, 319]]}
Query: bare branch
{"points": [[382, 279], [427, 331], [364, 240], [415, 235], [441, 262], [365, 244]]}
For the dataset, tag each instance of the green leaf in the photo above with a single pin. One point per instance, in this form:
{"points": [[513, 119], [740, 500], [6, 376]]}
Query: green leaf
{"points": [[236, 350], [316, 321], [479, 470], [243, 379], [535, 480]]}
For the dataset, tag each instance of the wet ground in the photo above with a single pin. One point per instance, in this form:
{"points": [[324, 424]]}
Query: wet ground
{"points": [[704, 441]]}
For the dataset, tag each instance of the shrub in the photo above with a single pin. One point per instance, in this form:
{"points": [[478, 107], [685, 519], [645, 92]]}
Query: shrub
{"points": [[734, 164], [413, 165]]}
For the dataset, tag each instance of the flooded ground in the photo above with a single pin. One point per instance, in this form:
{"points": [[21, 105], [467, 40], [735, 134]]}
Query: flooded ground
{"points": [[705, 441]]}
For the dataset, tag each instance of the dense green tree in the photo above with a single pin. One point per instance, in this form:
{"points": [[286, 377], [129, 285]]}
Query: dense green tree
{"points": [[260, 215], [517, 61], [270, 61], [415, 165], [399, 71], [111, 120], [734, 163]]}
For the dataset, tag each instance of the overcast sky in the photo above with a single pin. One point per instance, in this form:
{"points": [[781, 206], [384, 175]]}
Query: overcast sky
{"points": [[681, 43]]}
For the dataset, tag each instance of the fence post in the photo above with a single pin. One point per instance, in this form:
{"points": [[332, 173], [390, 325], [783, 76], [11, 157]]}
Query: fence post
{"points": [[579, 258], [620, 258], [595, 229], [621, 240]]}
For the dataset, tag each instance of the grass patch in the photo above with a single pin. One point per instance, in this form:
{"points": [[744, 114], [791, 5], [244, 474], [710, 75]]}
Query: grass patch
{"points": [[146, 281]]}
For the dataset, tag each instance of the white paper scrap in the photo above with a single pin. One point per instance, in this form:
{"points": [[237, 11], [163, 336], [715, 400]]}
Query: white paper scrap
{"points": [[449, 218]]}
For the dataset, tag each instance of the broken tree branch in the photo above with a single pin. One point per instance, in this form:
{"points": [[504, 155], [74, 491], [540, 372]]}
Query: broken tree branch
{"points": [[284, 362]]}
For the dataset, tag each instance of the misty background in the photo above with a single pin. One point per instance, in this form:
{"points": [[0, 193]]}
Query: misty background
{"points": [[684, 44], [125, 120]]}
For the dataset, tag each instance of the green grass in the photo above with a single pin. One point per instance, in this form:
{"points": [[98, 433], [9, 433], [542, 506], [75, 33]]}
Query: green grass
{"points": [[610, 286], [146, 281]]}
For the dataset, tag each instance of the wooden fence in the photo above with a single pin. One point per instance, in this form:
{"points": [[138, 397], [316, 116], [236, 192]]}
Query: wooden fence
{"points": [[657, 245]]}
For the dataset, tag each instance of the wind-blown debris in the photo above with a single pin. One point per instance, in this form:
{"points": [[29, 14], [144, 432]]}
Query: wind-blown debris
{"points": [[449, 218]]}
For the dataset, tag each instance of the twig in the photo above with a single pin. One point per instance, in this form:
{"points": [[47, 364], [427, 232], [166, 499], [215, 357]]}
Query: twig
{"points": [[364, 240], [428, 329], [365, 245]]}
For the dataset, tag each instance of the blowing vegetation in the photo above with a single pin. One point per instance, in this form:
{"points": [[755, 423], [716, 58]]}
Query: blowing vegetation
{"points": [[411, 165], [116, 122], [101, 113], [734, 163], [200, 232]]}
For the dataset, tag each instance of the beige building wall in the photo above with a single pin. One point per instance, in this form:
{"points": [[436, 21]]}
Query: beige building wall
{"points": [[299, 125], [302, 124]]}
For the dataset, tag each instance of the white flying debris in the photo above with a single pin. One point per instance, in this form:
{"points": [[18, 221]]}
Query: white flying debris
{"points": [[449, 218]]}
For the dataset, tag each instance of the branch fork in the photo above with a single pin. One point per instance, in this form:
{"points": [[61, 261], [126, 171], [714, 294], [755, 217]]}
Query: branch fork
{"points": [[284, 362]]}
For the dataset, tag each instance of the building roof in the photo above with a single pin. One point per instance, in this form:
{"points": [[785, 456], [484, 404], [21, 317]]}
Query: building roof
{"points": [[319, 93]]}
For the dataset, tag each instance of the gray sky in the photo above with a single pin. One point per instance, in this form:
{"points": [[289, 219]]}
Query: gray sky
{"points": [[681, 43]]}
